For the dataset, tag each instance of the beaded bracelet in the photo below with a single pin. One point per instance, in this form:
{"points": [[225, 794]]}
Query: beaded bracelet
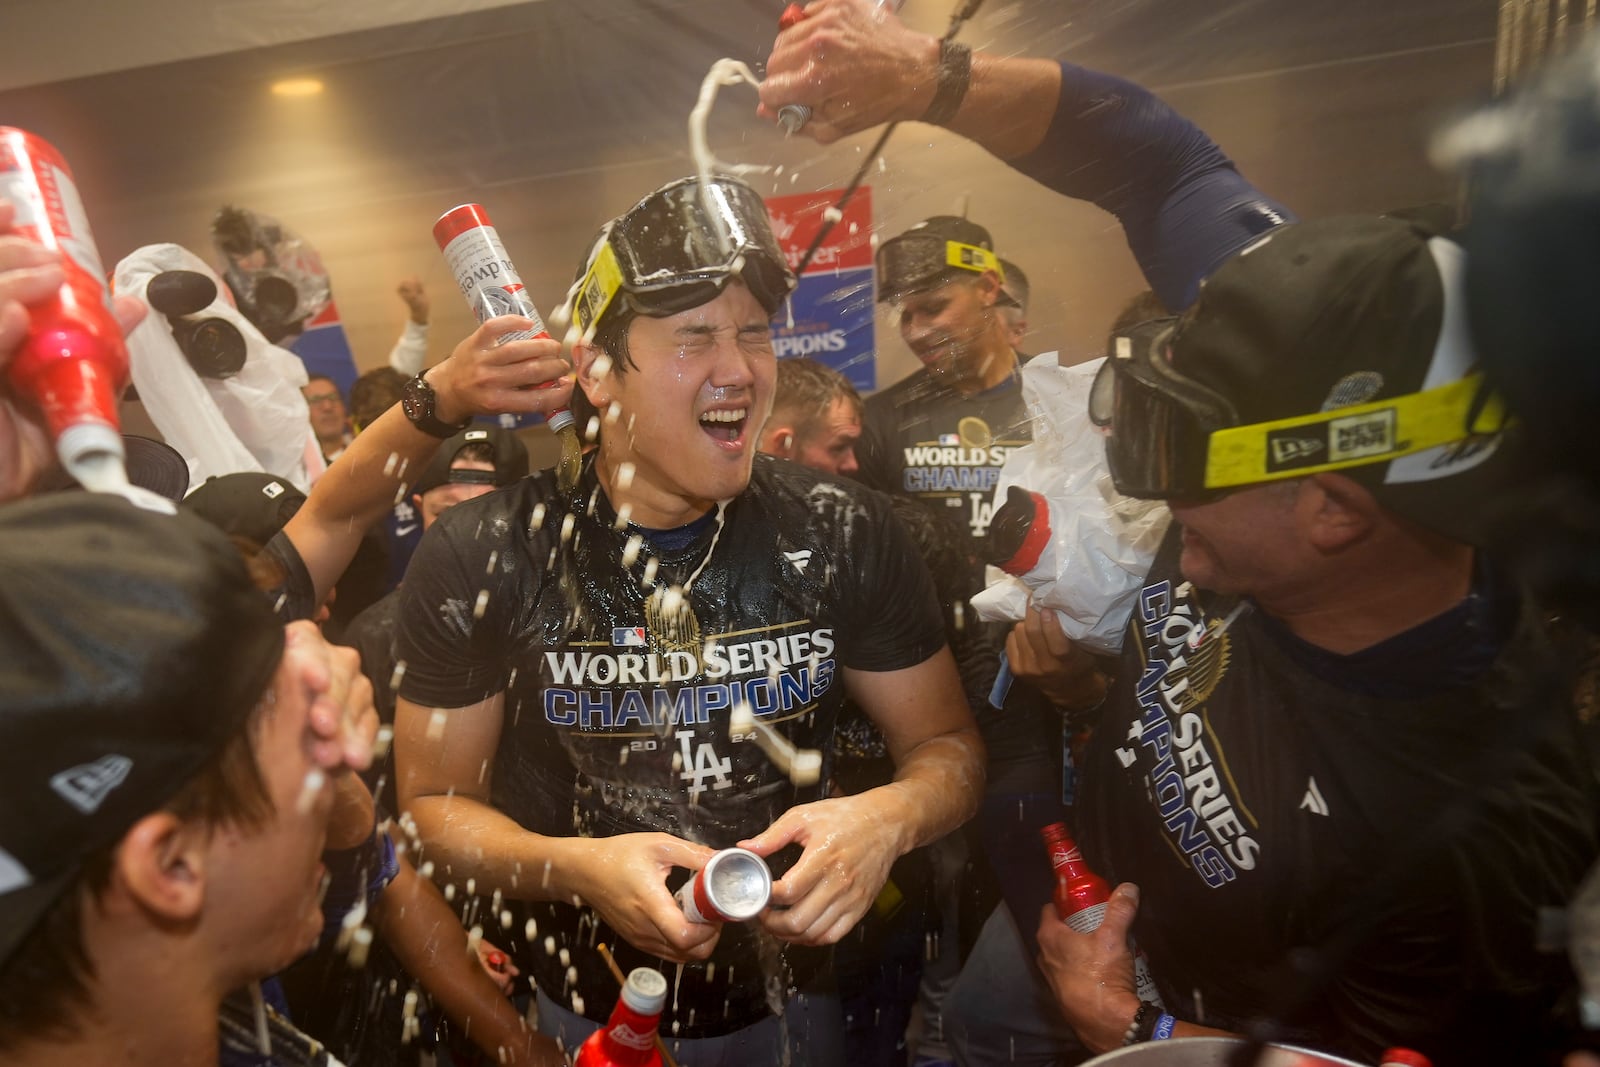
{"points": [[1133, 1034]]}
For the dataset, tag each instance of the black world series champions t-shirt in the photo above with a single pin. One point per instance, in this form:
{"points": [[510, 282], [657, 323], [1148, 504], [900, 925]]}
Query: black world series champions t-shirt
{"points": [[1387, 812], [617, 711], [927, 441]]}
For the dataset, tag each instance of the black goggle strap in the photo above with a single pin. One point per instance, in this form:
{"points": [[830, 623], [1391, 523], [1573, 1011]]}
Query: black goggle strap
{"points": [[471, 476], [1354, 436]]}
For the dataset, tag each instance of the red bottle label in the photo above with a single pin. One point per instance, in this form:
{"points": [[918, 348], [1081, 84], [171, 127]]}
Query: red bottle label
{"points": [[74, 365]]}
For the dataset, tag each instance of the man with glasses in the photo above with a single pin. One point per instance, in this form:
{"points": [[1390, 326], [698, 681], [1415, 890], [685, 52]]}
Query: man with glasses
{"points": [[573, 662], [329, 419]]}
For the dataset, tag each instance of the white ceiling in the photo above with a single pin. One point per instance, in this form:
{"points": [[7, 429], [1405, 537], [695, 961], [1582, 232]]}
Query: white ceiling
{"points": [[57, 40]]}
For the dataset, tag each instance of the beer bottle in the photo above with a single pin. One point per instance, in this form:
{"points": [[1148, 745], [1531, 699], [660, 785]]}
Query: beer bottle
{"points": [[1081, 897], [629, 1039]]}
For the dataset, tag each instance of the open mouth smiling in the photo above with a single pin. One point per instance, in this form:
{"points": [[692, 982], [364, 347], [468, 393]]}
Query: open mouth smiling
{"points": [[727, 426]]}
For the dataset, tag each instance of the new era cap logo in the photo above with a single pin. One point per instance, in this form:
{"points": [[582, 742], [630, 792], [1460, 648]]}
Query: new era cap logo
{"points": [[1286, 450], [1341, 439], [1297, 446], [272, 490], [86, 786], [475, 435], [1361, 436]]}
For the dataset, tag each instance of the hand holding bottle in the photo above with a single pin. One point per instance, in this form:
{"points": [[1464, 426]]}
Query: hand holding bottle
{"points": [[1091, 974], [30, 275]]}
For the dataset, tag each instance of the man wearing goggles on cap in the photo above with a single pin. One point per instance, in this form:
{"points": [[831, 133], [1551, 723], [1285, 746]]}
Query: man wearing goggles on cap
{"points": [[941, 433], [1311, 714], [572, 661], [1365, 622]]}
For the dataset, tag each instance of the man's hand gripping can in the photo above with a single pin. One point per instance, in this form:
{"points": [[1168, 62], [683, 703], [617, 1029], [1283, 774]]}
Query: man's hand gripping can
{"points": [[733, 886]]}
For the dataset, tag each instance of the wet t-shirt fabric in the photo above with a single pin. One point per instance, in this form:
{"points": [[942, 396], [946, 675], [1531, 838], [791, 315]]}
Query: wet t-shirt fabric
{"points": [[927, 441], [617, 707], [1400, 816]]}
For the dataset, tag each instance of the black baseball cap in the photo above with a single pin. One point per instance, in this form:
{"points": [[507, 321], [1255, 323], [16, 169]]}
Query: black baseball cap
{"points": [[933, 252], [247, 504], [510, 460], [133, 646], [156, 466], [1328, 314]]}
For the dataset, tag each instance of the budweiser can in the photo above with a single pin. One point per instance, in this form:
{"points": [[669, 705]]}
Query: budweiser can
{"points": [[482, 269], [733, 886], [484, 273]]}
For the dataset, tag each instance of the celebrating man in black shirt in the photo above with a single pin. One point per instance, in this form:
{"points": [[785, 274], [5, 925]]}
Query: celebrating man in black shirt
{"points": [[573, 659]]}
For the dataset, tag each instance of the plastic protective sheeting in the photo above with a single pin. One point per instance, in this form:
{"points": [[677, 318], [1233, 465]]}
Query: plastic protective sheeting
{"points": [[255, 420], [1101, 543]]}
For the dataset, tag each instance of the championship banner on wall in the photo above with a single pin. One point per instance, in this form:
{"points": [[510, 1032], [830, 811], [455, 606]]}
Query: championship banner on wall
{"points": [[830, 316], [324, 348]]}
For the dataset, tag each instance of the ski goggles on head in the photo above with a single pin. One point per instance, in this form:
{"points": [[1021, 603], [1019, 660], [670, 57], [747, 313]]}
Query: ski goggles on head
{"points": [[915, 261], [678, 248], [1173, 438], [1158, 421]]}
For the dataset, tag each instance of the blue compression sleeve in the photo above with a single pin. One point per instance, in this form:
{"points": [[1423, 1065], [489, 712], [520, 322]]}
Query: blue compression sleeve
{"points": [[1183, 205]]}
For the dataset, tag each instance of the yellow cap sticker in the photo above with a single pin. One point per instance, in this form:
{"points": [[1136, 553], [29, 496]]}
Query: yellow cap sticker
{"points": [[600, 286], [1353, 436], [972, 257]]}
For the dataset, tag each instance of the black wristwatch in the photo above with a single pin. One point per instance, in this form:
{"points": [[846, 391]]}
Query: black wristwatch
{"points": [[417, 399]]}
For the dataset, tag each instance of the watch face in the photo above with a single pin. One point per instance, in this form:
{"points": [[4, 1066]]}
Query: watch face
{"points": [[417, 399]]}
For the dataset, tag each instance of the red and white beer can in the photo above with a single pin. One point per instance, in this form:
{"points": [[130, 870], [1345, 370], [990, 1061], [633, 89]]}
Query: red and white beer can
{"points": [[484, 273], [734, 885]]}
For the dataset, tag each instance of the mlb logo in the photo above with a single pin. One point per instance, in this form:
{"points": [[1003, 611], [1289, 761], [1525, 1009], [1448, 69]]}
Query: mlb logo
{"points": [[628, 636], [950, 439]]}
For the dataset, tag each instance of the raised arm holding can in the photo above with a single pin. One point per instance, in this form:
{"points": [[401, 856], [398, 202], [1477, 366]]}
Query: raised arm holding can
{"points": [[487, 278]]}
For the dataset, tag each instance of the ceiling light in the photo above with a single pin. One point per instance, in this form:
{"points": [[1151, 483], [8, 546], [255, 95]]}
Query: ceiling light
{"points": [[297, 87]]}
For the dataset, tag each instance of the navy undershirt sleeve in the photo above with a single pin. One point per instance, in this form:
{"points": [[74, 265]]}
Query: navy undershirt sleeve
{"points": [[1184, 206]]}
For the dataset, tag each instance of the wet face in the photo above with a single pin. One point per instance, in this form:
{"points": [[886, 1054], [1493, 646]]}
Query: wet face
{"points": [[1246, 542], [264, 884], [946, 328], [1016, 325], [442, 498], [828, 444], [689, 409], [326, 409]]}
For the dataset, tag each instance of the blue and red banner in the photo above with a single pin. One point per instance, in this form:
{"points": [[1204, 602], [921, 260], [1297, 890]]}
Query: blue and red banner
{"points": [[830, 316], [324, 348]]}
